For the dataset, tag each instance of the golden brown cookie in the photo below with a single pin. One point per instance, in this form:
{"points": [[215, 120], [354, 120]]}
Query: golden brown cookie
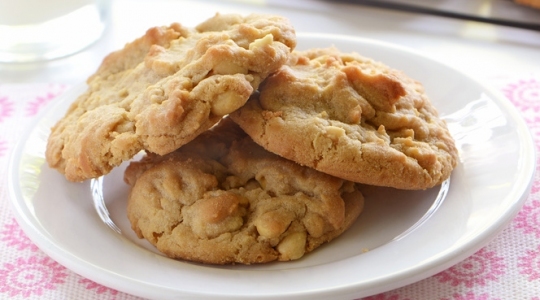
{"points": [[223, 199], [165, 88], [351, 117]]}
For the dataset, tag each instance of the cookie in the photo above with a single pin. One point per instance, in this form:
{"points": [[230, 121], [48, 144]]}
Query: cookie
{"points": [[351, 117], [223, 199], [164, 89]]}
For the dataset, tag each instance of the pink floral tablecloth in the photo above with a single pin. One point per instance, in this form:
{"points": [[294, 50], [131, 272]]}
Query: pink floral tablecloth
{"points": [[507, 268]]}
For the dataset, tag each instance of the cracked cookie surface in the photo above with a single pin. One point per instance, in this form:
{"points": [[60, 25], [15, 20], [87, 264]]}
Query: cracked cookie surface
{"points": [[351, 117], [165, 88], [223, 199]]}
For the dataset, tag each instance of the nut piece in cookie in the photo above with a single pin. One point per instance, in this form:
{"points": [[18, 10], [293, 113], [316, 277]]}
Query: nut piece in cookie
{"points": [[351, 117], [164, 89], [223, 199]]}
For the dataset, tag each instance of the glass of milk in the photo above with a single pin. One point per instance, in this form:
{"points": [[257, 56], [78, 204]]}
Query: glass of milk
{"points": [[37, 30]]}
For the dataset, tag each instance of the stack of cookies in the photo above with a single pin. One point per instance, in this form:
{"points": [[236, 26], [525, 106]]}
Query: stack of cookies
{"points": [[254, 151]]}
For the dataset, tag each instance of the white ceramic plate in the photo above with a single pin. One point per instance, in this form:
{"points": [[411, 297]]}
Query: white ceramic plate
{"points": [[409, 235]]}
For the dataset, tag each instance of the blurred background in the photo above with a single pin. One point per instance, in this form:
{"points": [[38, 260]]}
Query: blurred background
{"points": [[479, 48]]}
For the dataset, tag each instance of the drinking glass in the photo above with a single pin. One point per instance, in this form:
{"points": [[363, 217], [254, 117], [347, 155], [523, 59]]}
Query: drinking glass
{"points": [[37, 30]]}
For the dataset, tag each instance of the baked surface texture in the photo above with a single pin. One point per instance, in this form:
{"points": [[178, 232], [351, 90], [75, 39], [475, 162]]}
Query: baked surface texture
{"points": [[353, 118], [223, 199], [163, 89]]}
